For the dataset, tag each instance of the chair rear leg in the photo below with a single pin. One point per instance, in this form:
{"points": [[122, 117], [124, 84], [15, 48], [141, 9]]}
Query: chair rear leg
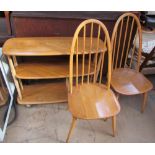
{"points": [[105, 119], [71, 128], [117, 96], [144, 102], [114, 125]]}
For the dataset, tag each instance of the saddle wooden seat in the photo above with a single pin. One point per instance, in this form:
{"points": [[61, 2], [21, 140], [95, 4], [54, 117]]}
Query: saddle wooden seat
{"points": [[133, 83], [93, 101]]}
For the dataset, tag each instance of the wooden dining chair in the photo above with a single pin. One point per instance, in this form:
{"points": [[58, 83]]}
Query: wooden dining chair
{"points": [[126, 78], [88, 97]]}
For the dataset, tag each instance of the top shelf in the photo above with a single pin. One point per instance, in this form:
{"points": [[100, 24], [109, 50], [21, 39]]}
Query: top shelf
{"points": [[46, 46]]}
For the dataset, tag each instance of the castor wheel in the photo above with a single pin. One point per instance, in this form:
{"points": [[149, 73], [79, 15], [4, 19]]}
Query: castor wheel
{"points": [[105, 119]]}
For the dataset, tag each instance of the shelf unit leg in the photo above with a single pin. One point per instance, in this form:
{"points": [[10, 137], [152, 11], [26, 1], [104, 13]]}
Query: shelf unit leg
{"points": [[20, 83], [14, 77]]}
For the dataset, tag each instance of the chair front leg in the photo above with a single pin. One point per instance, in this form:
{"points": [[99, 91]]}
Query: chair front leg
{"points": [[114, 125], [71, 128], [144, 102], [117, 96]]}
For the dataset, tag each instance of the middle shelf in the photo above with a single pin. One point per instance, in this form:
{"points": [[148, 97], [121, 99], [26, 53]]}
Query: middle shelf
{"points": [[46, 70]]}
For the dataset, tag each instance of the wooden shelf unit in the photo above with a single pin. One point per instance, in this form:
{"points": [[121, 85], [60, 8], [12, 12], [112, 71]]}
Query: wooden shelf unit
{"points": [[42, 93]]}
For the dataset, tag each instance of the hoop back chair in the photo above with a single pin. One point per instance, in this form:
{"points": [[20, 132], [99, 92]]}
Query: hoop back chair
{"points": [[88, 98], [126, 78]]}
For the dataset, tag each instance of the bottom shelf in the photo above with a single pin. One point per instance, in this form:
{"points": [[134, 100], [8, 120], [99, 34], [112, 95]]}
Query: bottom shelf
{"points": [[43, 93]]}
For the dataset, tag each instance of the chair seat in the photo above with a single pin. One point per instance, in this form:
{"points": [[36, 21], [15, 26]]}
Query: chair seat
{"points": [[92, 101], [129, 82]]}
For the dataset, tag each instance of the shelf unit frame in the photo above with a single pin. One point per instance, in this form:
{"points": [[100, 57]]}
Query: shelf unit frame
{"points": [[26, 94]]}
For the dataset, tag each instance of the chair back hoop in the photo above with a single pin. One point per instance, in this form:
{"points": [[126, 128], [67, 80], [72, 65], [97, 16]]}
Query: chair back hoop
{"points": [[89, 57], [126, 32]]}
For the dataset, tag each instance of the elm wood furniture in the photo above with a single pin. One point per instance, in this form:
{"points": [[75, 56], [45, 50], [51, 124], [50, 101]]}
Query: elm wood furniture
{"points": [[125, 79], [88, 97], [40, 93]]}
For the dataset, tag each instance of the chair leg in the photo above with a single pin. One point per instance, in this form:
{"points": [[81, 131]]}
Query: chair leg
{"points": [[105, 119], [114, 125], [117, 96], [71, 128], [144, 102]]}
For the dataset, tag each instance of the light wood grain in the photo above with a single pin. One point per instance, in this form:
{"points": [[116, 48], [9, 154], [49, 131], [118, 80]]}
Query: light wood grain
{"points": [[49, 70], [144, 102], [17, 84], [124, 40], [43, 93], [127, 17], [44, 46], [120, 35], [91, 99], [129, 82], [114, 125], [71, 128]]}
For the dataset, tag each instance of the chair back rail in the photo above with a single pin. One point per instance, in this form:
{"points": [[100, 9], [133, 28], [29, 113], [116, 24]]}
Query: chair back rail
{"points": [[126, 31], [91, 60]]}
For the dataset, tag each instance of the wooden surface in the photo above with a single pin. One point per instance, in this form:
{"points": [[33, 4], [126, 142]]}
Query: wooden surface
{"points": [[122, 41], [125, 80], [43, 93], [71, 128], [47, 70], [129, 82], [92, 101], [98, 59], [44, 46], [84, 97]]}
